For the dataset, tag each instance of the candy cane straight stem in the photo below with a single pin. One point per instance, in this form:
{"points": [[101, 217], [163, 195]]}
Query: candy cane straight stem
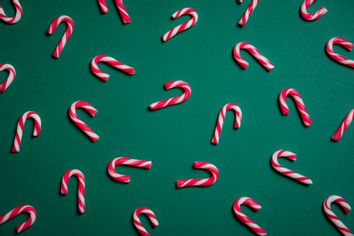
{"points": [[308, 16], [197, 182], [31, 211], [121, 9], [184, 26], [248, 12], [332, 217], [137, 223], [14, 19], [81, 187], [335, 56], [245, 219], [344, 126], [10, 78], [21, 125], [126, 161]]}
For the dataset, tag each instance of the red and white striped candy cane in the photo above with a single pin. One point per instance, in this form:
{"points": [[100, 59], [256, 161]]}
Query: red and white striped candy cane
{"points": [[137, 223], [31, 211], [308, 16], [220, 122], [344, 126], [175, 100], [112, 62], [81, 187], [245, 219], [21, 125], [284, 171], [184, 26], [254, 52], [121, 9], [335, 56], [126, 161], [299, 104], [10, 78], [248, 12], [79, 123], [14, 19], [332, 217], [68, 32], [197, 182]]}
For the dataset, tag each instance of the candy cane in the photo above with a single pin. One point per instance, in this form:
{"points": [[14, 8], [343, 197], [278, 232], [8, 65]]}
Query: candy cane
{"points": [[10, 78], [201, 182], [18, 13], [284, 171], [112, 62], [69, 30], [121, 9], [299, 104], [248, 12], [127, 162], [21, 125], [311, 17], [79, 123], [254, 52], [343, 127], [137, 223], [31, 211], [184, 26], [175, 100], [335, 56], [245, 219], [332, 217], [81, 187], [220, 122]]}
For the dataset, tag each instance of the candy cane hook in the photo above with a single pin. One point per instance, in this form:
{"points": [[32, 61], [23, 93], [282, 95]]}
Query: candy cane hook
{"points": [[79, 123], [127, 162], [221, 117], [299, 104], [81, 187], [112, 62], [245, 219], [68, 32], [344, 126], [31, 211], [14, 19], [284, 171], [21, 125], [332, 217], [308, 16], [335, 56], [175, 100], [121, 9], [201, 182], [184, 26], [137, 223], [248, 12], [10, 78]]}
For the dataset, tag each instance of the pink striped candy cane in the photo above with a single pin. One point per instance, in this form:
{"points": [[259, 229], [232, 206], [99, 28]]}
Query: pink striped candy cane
{"points": [[79, 123], [308, 16], [248, 12], [14, 19], [68, 32], [335, 56], [245, 219], [332, 217], [220, 122], [254, 52], [21, 125], [18, 211], [137, 223], [299, 104], [127, 162], [344, 126], [121, 9], [175, 100], [197, 182], [284, 171], [81, 187], [10, 78], [184, 26], [112, 62]]}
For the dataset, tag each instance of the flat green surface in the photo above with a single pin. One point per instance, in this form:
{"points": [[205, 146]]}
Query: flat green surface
{"points": [[175, 137]]}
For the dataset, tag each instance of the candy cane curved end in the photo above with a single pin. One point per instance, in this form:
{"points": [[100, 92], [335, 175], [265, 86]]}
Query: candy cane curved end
{"points": [[10, 78], [121, 9], [250, 9], [137, 223], [308, 16], [344, 126], [81, 187], [335, 56], [31, 211], [14, 19]]}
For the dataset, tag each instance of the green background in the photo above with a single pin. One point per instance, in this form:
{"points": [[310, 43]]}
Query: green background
{"points": [[175, 137]]}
